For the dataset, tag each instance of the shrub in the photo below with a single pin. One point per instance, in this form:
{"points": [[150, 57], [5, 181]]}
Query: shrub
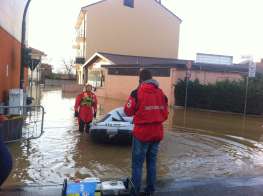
{"points": [[224, 95]]}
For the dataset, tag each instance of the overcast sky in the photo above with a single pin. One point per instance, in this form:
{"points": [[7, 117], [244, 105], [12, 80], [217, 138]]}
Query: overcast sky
{"points": [[228, 27]]}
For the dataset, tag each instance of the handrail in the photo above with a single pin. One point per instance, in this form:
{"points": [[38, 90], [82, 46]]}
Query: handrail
{"points": [[32, 116]]}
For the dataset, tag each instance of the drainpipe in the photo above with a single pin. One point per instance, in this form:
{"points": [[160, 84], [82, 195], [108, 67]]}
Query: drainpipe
{"points": [[23, 46], [84, 35]]}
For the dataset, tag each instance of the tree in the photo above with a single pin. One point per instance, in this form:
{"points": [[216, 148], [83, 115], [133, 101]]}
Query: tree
{"points": [[69, 67]]}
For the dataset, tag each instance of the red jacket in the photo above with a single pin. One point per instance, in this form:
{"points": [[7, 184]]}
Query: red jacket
{"points": [[149, 106], [86, 106]]}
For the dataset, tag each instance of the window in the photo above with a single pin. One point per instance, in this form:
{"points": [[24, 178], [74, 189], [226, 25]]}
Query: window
{"points": [[96, 77], [124, 71], [159, 72], [129, 3]]}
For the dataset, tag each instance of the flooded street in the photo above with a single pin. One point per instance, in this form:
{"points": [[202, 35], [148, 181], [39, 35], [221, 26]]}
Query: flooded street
{"points": [[217, 145]]}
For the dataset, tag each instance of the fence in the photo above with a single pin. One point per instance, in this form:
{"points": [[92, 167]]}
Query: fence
{"points": [[26, 125]]}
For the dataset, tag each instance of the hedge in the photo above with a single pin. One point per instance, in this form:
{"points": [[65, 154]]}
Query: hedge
{"points": [[224, 95]]}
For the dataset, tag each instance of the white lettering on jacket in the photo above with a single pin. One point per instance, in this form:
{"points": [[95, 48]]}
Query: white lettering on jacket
{"points": [[154, 107]]}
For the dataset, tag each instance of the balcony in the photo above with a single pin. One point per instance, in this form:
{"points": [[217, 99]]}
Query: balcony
{"points": [[79, 60], [76, 46], [80, 38]]}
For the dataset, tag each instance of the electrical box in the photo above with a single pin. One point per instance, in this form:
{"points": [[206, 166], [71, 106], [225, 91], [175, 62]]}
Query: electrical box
{"points": [[17, 99], [2, 110]]}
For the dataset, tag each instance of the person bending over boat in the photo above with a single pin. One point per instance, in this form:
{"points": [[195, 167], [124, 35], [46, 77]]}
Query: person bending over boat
{"points": [[5, 161], [85, 108], [149, 106]]}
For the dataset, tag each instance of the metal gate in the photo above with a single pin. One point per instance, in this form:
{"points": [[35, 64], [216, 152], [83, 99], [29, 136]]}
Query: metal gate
{"points": [[22, 123]]}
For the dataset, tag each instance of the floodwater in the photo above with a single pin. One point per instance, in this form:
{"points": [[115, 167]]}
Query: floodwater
{"points": [[212, 145]]}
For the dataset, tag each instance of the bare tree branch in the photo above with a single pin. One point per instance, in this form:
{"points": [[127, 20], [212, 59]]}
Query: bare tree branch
{"points": [[69, 66]]}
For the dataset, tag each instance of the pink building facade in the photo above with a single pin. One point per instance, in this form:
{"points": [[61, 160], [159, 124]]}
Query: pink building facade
{"points": [[117, 75]]}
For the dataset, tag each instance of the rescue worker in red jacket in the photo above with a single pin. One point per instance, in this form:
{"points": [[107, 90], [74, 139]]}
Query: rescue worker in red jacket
{"points": [[85, 108], [149, 106]]}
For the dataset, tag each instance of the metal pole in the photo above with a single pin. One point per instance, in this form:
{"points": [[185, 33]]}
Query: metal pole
{"points": [[31, 84], [37, 87], [23, 45], [185, 100], [245, 104]]}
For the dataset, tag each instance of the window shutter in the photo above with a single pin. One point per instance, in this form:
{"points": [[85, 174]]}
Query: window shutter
{"points": [[129, 3]]}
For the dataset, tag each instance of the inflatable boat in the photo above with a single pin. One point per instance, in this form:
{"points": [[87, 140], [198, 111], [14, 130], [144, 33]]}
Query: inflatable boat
{"points": [[114, 127]]}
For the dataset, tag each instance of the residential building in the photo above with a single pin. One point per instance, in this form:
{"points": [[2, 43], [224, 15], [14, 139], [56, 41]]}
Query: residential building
{"points": [[11, 12], [126, 27], [214, 59], [34, 71], [260, 66], [45, 71], [41, 72], [117, 75], [116, 38]]}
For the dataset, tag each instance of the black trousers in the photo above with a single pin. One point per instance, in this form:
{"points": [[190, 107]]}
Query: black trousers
{"points": [[84, 126]]}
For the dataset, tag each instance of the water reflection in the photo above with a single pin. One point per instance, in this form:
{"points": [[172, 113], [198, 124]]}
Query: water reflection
{"points": [[215, 146], [21, 163], [104, 161], [218, 123]]}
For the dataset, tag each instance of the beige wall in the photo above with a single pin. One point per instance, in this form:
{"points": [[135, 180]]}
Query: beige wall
{"points": [[205, 77], [166, 86], [145, 30], [120, 87]]}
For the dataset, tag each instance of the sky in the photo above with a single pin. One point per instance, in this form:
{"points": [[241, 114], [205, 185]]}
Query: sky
{"points": [[225, 27]]}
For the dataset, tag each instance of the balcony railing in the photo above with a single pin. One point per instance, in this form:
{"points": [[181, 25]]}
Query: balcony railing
{"points": [[80, 38], [76, 46]]}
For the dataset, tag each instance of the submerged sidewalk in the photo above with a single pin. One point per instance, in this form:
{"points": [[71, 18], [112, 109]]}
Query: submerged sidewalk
{"points": [[244, 186]]}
